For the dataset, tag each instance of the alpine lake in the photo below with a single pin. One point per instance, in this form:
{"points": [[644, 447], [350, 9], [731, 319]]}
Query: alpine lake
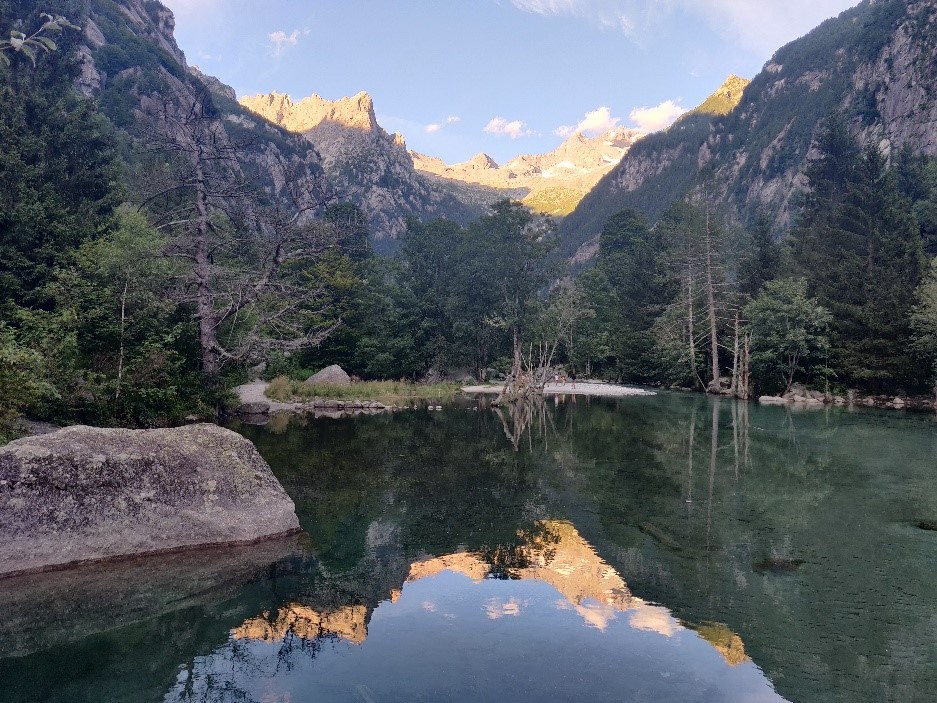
{"points": [[665, 548]]}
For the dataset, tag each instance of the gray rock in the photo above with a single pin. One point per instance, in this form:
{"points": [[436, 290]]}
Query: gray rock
{"points": [[772, 400], [83, 494], [332, 375], [254, 407]]}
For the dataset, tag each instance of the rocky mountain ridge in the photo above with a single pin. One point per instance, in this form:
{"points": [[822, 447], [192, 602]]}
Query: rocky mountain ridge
{"points": [[552, 183], [365, 164]]}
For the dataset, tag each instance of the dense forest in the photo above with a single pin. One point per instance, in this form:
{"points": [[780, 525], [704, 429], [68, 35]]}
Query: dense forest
{"points": [[146, 269]]}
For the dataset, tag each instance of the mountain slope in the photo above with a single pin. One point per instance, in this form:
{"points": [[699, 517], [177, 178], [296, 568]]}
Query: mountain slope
{"points": [[368, 166], [874, 64]]}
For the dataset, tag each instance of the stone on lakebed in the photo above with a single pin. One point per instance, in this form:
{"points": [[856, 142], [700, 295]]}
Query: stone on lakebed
{"points": [[83, 494]]}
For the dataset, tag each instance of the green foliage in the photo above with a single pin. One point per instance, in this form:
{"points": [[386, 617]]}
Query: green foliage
{"points": [[924, 321], [130, 362], [22, 382], [33, 45], [57, 182], [631, 257], [789, 335]]}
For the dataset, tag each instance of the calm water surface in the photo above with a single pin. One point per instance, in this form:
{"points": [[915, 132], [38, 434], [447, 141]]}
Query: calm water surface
{"points": [[674, 548]]}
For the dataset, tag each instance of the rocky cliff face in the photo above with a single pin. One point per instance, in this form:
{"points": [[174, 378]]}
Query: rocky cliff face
{"points": [[83, 493], [129, 56], [365, 164], [552, 183], [874, 65]]}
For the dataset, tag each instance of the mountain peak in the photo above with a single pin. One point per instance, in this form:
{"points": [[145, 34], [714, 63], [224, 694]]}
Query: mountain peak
{"points": [[725, 98], [479, 162], [356, 112]]}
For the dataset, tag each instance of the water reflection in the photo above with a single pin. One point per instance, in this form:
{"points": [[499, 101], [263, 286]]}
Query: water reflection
{"points": [[665, 548], [527, 588]]}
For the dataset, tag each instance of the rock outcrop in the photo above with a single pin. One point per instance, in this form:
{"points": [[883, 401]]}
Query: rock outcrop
{"points": [[333, 375], [84, 494]]}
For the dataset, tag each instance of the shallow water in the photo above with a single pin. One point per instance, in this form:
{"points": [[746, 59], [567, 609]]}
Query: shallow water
{"points": [[671, 548]]}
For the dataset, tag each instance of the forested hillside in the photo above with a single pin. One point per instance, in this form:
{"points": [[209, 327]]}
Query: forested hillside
{"points": [[154, 239]]}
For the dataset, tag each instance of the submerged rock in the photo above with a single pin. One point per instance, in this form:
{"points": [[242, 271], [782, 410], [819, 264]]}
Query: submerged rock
{"points": [[83, 494], [778, 565]]}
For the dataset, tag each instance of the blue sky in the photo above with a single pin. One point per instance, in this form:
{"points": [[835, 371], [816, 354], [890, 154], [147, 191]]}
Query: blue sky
{"points": [[506, 77]]}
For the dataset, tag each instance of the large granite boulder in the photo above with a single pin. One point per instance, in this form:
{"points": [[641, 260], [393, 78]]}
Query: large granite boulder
{"points": [[332, 375], [83, 493]]}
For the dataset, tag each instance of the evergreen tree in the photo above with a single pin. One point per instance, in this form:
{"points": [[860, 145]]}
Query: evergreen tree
{"points": [[631, 259], [859, 248]]}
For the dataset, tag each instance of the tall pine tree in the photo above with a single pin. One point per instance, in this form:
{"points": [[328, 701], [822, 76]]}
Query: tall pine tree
{"points": [[860, 250]]}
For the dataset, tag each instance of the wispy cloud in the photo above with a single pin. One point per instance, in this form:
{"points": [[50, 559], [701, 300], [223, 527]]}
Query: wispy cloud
{"points": [[654, 119], [501, 127], [759, 25], [594, 123], [280, 39], [608, 14], [436, 126]]}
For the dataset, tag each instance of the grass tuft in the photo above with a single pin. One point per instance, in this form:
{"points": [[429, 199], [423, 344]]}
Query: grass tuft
{"points": [[285, 390]]}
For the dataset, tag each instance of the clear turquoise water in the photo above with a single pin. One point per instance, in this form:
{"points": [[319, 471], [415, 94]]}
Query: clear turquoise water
{"points": [[674, 548]]}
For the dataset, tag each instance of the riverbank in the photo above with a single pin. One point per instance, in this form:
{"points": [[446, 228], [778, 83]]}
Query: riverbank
{"points": [[592, 388]]}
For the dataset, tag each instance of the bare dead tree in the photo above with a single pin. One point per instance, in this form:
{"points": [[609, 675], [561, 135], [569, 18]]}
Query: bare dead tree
{"points": [[250, 273]]}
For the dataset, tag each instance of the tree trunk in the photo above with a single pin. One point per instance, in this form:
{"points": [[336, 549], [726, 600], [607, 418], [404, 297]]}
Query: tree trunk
{"points": [[204, 309], [691, 332], [123, 327], [711, 305], [735, 358]]}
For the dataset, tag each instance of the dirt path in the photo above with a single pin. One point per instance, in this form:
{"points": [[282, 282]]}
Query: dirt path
{"points": [[255, 392]]}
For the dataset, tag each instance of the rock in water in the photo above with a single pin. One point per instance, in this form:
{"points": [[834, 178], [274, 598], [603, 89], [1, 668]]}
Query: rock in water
{"points": [[87, 493], [332, 375]]}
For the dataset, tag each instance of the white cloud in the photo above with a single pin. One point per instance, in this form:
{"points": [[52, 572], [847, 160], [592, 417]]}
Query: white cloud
{"points": [[502, 127], [280, 39], [654, 119], [759, 25], [594, 123], [436, 126]]}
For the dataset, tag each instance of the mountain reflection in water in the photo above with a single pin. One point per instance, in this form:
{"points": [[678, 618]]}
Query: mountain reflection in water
{"points": [[588, 586], [450, 604]]}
